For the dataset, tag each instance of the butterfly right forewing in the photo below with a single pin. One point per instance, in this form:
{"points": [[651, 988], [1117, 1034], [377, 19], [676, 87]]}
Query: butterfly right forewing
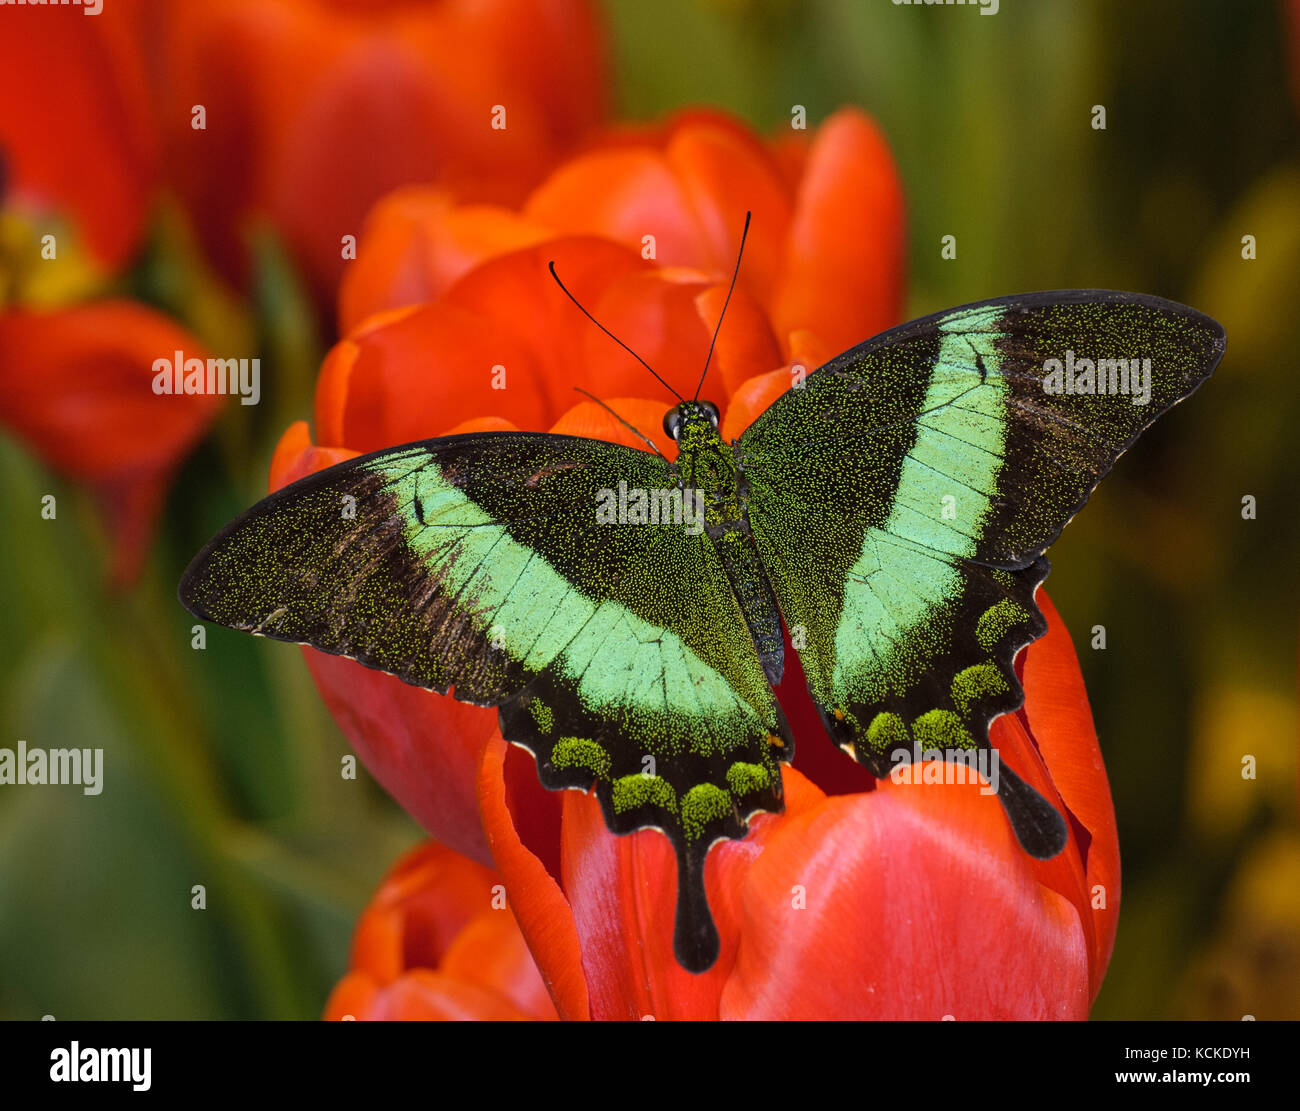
{"points": [[903, 497]]}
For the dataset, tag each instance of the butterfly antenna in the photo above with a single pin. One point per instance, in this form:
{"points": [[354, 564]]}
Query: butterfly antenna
{"points": [[626, 424], [611, 335], [734, 276]]}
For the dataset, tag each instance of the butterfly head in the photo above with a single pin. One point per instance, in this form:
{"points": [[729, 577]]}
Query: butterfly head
{"points": [[691, 420]]}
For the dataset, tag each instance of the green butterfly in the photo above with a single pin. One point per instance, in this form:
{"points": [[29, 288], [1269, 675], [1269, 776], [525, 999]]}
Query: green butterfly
{"points": [[624, 611]]}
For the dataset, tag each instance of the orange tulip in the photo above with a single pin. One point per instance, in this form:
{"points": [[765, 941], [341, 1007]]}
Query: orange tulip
{"points": [[76, 386], [824, 259], [79, 157], [437, 941], [78, 141], [313, 109]]}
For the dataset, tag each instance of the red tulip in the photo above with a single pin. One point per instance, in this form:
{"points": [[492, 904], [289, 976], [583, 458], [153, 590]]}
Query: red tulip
{"points": [[438, 941], [77, 139], [76, 385], [825, 254], [315, 109]]}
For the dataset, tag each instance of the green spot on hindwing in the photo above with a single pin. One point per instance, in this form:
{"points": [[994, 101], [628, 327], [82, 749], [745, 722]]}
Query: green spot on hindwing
{"points": [[941, 729], [1004, 579], [581, 752], [634, 791], [702, 804], [976, 682], [886, 731], [743, 778], [996, 621], [542, 715]]}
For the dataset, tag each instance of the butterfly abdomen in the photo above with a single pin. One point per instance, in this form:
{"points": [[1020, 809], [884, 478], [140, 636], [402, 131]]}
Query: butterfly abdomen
{"points": [[749, 583], [707, 464]]}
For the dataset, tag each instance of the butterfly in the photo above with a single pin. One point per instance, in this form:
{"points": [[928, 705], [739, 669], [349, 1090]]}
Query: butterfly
{"points": [[623, 611]]}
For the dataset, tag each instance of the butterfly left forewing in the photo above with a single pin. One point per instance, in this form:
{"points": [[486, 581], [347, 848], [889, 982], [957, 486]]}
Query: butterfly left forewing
{"points": [[903, 497], [479, 565]]}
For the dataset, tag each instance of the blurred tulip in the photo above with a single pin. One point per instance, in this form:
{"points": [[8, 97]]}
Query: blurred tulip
{"points": [[76, 386], [438, 942], [78, 143], [314, 109], [80, 153]]}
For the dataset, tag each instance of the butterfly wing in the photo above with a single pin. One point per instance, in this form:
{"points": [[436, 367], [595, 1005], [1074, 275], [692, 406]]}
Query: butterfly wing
{"points": [[477, 564], [903, 497]]}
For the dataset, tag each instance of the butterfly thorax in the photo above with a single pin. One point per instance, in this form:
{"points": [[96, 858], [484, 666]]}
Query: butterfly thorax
{"points": [[706, 463]]}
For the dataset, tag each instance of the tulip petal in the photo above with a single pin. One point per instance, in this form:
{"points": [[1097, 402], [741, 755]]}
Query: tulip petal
{"points": [[595, 422], [539, 905], [76, 385], [429, 996], [1060, 718], [844, 261], [76, 136], [423, 748], [296, 457], [423, 904], [417, 243], [352, 997], [745, 344], [436, 941], [415, 374], [515, 300], [910, 902], [623, 892], [753, 396], [492, 952], [684, 195]]}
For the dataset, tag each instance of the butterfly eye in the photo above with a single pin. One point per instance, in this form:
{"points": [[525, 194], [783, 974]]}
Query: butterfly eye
{"points": [[672, 423], [712, 411]]}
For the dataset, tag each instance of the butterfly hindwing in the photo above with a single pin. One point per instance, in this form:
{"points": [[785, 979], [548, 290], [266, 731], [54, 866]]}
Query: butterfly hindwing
{"points": [[616, 652], [902, 498]]}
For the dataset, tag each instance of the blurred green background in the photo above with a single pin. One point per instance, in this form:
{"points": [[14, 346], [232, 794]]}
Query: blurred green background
{"points": [[224, 765]]}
